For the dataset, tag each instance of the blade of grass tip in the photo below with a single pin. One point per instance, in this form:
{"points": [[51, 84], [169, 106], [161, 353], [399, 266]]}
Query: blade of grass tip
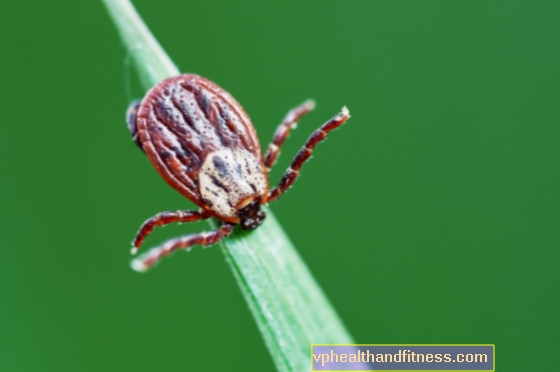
{"points": [[288, 305], [150, 60]]}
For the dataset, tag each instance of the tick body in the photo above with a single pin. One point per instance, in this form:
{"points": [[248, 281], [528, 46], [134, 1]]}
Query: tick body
{"points": [[203, 144]]}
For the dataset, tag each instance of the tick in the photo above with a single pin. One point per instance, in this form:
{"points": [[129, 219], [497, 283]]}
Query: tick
{"points": [[203, 144]]}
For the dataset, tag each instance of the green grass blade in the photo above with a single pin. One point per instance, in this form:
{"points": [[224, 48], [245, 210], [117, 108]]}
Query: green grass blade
{"points": [[289, 307], [151, 61]]}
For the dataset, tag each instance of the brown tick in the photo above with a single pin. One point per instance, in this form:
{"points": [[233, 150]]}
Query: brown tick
{"points": [[201, 141]]}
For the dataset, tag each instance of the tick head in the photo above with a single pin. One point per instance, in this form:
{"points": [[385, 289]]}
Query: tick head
{"points": [[251, 216]]}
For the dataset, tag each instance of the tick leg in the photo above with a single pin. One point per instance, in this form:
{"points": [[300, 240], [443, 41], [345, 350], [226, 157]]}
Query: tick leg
{"points": [[283, 131], [162, 219], [303, 155], [131, 122], [148, 259]]}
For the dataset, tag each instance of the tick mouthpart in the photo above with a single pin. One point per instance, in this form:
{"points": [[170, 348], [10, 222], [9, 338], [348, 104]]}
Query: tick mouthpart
{"points": [[251, 216]]}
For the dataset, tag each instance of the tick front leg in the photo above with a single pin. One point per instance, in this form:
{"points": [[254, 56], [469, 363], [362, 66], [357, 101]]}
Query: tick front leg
{"points": [[303, 155], [283, 131], [148, 259], [162, 219]]}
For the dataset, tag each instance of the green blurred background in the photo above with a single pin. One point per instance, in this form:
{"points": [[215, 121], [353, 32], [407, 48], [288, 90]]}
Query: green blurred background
{"points": [[432, 217]]}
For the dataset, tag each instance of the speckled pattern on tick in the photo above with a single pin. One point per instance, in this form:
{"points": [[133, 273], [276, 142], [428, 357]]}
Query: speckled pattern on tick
{"points": [[201, 141]]}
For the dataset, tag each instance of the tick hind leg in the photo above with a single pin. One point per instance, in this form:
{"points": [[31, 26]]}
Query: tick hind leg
{"points": [[162, 219], [283, 131], [148, 259], [303, 155], [131, 114]]}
